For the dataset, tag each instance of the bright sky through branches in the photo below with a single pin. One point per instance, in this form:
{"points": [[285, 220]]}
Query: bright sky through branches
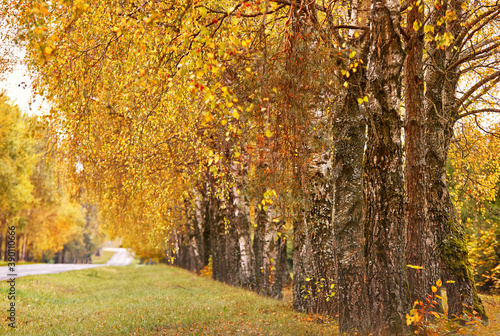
{"points": [[17, 85]]}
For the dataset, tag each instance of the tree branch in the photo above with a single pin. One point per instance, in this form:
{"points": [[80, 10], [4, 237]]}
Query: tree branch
{"points": [[472, 56], [349, 27], [486, 110], [475, 87], [479, 95], [493, 12]]}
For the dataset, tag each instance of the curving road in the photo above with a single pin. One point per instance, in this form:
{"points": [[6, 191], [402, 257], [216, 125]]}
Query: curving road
{"points": [[121, 258]]}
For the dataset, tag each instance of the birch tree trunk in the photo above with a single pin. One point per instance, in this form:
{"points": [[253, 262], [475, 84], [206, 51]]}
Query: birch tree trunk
{"points": [[349, 139], [348, 149], [202, 215], [218, 237], [240, 219], [270, 253], [440, 100], [383, 184], [320, 287], [302, 262]]}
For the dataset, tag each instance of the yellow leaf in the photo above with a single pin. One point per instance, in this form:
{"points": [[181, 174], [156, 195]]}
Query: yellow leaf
{"points": [[48, 51], [203, 11], [439, 283], [236, 115], [117, 31], [346, 84], [360, 100], [208, 117], [434, 289], [416, 26], [409, 320], [268, 133]]}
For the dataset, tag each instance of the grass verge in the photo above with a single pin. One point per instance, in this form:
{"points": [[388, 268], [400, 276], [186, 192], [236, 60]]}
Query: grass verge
{"points": [[161, 300], [103, 258], [147, 300]]}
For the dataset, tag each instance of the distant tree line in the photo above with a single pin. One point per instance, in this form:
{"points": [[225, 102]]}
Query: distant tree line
{"points": [[34, 196]]}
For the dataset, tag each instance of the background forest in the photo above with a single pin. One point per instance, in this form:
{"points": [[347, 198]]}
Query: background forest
{"points": [[34, 196], [350, 147]]}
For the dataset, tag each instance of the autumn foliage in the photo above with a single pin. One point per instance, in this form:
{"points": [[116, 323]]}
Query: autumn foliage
{"points": [[229, 131]]}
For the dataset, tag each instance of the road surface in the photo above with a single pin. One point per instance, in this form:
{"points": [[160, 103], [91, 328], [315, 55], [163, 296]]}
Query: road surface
{"points": [[121, 258]]}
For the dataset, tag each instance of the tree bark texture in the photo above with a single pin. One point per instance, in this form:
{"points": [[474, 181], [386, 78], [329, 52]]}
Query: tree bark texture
{"points": [[318, 215], [421, 247], [190, 244], [224, 245], [347, 217], [230, 240], [202, 229], [239, 214], [302, 265], [440, 99], [269, 246], [383, 184]]}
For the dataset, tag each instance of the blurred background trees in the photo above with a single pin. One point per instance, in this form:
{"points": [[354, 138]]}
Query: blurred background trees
{"points": [[34, 195]]}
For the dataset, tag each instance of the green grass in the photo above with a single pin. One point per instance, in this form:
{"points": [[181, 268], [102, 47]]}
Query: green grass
{"points": [[103, 258], [161, 300], [148, 300]]}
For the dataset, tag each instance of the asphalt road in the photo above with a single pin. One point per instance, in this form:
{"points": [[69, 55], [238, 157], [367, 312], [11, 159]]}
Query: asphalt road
{"points": [[121, 258]]}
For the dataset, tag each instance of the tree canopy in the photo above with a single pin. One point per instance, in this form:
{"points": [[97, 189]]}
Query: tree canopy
{"points": [[220, 133]]}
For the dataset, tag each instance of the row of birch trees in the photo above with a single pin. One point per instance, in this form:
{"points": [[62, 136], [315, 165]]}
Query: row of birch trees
{"points": [[225, 131]]}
